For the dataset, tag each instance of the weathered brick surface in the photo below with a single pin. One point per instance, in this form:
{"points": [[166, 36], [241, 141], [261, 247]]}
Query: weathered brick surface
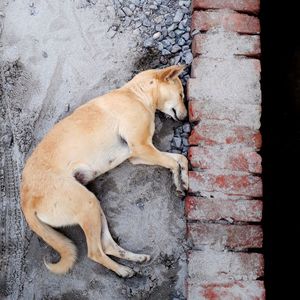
{"points": [[234, 184], [238, 5], [235, 80], [206, 134], [229, 158], [231, 290], [224, 97], [208, 45], [228, 20], [235, 114], [221, 237], [215, 266], [232, 210]]}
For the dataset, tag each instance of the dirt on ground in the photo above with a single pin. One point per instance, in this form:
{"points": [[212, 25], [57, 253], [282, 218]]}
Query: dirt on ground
{"points": [[54, 56]]}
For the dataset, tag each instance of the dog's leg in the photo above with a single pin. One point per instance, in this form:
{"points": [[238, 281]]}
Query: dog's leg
{"points": [[149, 155], [110, 247], [184, 168], [90, 222]]}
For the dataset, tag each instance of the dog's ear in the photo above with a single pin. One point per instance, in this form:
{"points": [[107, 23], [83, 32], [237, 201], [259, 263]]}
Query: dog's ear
{"points": [[170, 72]]}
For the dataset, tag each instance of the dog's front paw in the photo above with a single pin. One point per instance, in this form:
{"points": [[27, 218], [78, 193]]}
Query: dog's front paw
{"points": [[125, 272], [180, 193], [185, 183], [144, 258]]}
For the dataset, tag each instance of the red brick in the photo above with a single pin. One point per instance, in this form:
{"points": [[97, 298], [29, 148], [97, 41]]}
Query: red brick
{"points": [[251, 6], [233, 184], [232, 210], [225, 44], [223, 237], [230, 290], [205, 134], [215, 266], [229, 158], [228, 20], [236, 114], [227, 81]]}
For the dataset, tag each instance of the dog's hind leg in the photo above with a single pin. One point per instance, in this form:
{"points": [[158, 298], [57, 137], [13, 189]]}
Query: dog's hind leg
{"points": [[110, 247], [90, 222]]}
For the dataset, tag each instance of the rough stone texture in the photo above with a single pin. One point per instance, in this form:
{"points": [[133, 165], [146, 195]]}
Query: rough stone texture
{"points": [[210, 134], [230, 209], [230, 21], [208, 44], [233, 183], [225, 237], [233, 158], [212, 266], [237, 114], [54, 57], [226, 80], [231, 290], [238, 5]]}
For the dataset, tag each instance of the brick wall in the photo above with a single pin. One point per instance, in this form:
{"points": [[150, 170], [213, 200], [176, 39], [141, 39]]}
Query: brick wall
{"points": [[224, 206]]}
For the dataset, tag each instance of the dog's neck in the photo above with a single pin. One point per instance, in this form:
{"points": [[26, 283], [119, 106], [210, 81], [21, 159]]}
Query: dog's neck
{"points": [[148, 98]]}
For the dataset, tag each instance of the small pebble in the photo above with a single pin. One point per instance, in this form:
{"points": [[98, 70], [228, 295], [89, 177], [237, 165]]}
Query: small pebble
{"points": [[188, 58], [178, 16], [186, 36], [171, 34], [176, 60], [154, 7], [186, 127], [178, 131], [127, 11], [160, 46], [168, 21], [185, 48], [146, 22], [148, 42], [185, 141], [138, 24], [127, 21], [163, 60], [172, 27], [179, 32], [194, 32], [132, 6], [181, 42], [175, 48], [165, 52], [158, 27], [121, 13], [156, 35]]}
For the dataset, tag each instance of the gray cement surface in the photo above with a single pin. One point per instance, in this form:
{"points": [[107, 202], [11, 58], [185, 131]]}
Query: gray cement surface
{"points": [[54, 56]]}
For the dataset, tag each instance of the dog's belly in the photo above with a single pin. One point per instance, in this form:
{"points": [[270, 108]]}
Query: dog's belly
{"points": [[101, 162], [111, 158]]}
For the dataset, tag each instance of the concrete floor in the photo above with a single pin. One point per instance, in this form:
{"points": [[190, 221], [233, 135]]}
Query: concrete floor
{"points": [[55, 55]]}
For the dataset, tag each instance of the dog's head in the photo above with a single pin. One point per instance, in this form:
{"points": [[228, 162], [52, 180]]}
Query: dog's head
{"points": [[170, 92]]}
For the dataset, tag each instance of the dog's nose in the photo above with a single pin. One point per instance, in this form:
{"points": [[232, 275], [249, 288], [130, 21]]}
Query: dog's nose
{"points": [[184, 116], [185, 119]]}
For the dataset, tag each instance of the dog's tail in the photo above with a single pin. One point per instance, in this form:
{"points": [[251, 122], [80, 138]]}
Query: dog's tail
{"points": [[57, 241]]}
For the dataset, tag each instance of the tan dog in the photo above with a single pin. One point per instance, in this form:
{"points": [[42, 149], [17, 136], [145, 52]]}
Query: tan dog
{"points": [[95, 138]]}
